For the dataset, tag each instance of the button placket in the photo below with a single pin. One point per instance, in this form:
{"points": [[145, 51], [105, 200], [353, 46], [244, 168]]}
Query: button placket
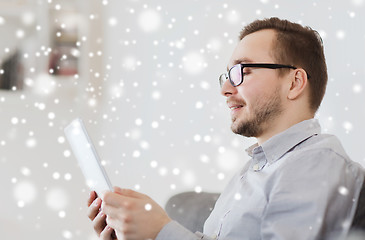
{"points": [[221, 224]]}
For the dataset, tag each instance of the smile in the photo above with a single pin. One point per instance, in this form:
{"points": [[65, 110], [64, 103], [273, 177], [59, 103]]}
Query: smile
{"points": [[235, 107]]}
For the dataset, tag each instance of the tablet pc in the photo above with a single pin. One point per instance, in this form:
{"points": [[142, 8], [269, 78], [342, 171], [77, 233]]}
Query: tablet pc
{"points": [[87, 157]]}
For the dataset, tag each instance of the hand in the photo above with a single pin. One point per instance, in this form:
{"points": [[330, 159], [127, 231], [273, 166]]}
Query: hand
{"points": [[133, 215], [99, 218]]}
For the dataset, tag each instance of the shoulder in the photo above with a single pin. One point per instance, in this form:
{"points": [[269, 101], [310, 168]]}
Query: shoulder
{"points": [[323, 143], [318, 157]]}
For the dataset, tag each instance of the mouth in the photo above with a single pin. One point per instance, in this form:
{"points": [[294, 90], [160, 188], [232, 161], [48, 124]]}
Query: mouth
{"points": [[235, 108], [235, 105]]}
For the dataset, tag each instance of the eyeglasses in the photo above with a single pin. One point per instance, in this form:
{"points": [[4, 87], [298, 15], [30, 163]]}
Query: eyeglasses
{"points": [[236, 74]]}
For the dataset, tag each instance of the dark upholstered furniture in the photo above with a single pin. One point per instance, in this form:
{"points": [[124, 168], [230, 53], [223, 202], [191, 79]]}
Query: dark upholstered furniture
{"points": [[191, 209]]}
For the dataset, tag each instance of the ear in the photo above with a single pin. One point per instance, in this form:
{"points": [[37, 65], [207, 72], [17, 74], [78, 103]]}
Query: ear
{"points": [[298, 84]]}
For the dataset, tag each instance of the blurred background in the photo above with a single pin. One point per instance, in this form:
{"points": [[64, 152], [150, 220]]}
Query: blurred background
{"points": [[143, 75]]}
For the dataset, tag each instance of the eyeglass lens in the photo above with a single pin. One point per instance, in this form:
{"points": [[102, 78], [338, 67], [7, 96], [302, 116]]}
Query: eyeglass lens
{"points": [[235, 75]]}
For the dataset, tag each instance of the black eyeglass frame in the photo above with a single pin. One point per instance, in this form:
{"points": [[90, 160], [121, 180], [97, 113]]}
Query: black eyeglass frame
{"points": [[258, 65]]}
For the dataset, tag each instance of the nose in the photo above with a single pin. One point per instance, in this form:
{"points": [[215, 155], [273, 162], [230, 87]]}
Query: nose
{"points": [[227, 89]]}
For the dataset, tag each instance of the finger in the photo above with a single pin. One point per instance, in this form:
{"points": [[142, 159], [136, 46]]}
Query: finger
{"points": [[92, 196], [113, 199], [106, 234], [112, 212], [99, 223], [129, 193], [94, 208]]}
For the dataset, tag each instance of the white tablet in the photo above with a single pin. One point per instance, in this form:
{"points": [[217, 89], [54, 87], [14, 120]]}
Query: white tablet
{"points": [[87, 157]]}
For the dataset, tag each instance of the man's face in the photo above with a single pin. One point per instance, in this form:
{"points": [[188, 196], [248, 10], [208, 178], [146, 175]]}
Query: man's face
{"points": [[256, 103]]}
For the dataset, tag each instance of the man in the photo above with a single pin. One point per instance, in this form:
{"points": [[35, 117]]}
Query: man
{"points": [[299, 184]]}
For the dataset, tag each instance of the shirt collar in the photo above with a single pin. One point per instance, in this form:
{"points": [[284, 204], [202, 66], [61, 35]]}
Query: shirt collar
{"points": [[278, 145]]}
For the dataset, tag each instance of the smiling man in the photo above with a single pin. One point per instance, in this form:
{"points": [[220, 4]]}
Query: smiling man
{"points": [[299, 183]]}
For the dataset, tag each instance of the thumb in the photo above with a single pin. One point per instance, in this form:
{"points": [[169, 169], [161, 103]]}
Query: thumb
{"points": [[129, 193]]}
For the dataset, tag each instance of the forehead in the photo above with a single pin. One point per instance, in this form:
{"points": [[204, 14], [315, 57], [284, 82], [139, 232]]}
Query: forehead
{"points": [[255, 47]]}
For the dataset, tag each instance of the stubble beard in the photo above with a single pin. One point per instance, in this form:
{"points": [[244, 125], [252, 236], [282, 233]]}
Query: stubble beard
{"points": [[264, 112]]}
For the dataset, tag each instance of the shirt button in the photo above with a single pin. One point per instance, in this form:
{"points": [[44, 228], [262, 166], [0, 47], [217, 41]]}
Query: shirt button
{"points": [[214, 236], [256, 167]]}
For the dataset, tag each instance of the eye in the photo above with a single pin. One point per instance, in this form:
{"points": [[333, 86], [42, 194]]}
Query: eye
{"points": [[246, 72]]}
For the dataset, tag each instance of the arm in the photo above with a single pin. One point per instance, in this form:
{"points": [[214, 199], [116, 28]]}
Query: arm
{"points": [[312, 199], [134, 216]]}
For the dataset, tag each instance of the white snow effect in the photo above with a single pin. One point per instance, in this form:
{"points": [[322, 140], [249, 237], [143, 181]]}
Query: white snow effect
{"points": [[148, 207], [25, 171], [31, 142], [67, 234], [130, 63], [198, 189], [28, 18], [357, 2], [61, 139], [194, 63], [136, 154], [57, 199], [228, 160], [188, 178], [340, 34], [20, 33], [197, 138], [145, 145], [62, 214], [44, 84], [214, 44], [2, 21], [155, 124], [343, 190], [51, 115], [149, 20], [347, 126], [233, 17], [156, 95], [67, 176], [138, 121], [199, 105], [323, 34], [56, 175], [144, 39], [204, 158], [154, 164], [67, 153], [237, 196], [221, 176], [113, 21], [357, 88], [25, 192], [14, 120]]}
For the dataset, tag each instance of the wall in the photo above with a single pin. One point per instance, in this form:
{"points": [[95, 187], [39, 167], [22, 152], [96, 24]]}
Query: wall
{"points": [[148, 92]]}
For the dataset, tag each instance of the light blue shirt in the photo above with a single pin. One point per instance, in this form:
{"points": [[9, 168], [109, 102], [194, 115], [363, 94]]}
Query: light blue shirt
{"points": [[300, 184]]}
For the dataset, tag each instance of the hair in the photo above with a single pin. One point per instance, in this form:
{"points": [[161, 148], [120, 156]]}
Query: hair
{"points": [[298, 46]]}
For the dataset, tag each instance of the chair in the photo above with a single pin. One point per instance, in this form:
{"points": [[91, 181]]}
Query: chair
{"points": [[358, 222], [191, 209]]}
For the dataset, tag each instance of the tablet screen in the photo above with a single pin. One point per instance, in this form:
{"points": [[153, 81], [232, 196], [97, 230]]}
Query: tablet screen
{"points": [[87, 157]]}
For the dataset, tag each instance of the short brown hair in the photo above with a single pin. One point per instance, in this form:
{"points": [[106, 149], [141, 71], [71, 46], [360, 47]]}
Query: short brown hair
{"points": [[298, 46]]}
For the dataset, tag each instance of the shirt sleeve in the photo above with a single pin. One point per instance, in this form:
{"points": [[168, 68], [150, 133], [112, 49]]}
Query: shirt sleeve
{"points": [[311, 196], [175, 231]]}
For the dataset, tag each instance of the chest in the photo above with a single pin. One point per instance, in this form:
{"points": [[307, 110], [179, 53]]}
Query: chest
{"points": [[239, 208]]}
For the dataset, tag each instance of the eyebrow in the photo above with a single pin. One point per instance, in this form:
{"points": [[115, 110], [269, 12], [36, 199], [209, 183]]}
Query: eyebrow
{"points": [[240, 60]]}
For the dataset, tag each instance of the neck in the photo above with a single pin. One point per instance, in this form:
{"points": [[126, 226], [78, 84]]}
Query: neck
{"points": [[280, 124]]}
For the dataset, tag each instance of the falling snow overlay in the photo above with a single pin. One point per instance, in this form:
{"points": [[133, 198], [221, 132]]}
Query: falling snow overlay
{"points": [[143, 75]]}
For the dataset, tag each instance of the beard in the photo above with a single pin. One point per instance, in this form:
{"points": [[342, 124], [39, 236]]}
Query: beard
{"points": [[265, 110]]}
